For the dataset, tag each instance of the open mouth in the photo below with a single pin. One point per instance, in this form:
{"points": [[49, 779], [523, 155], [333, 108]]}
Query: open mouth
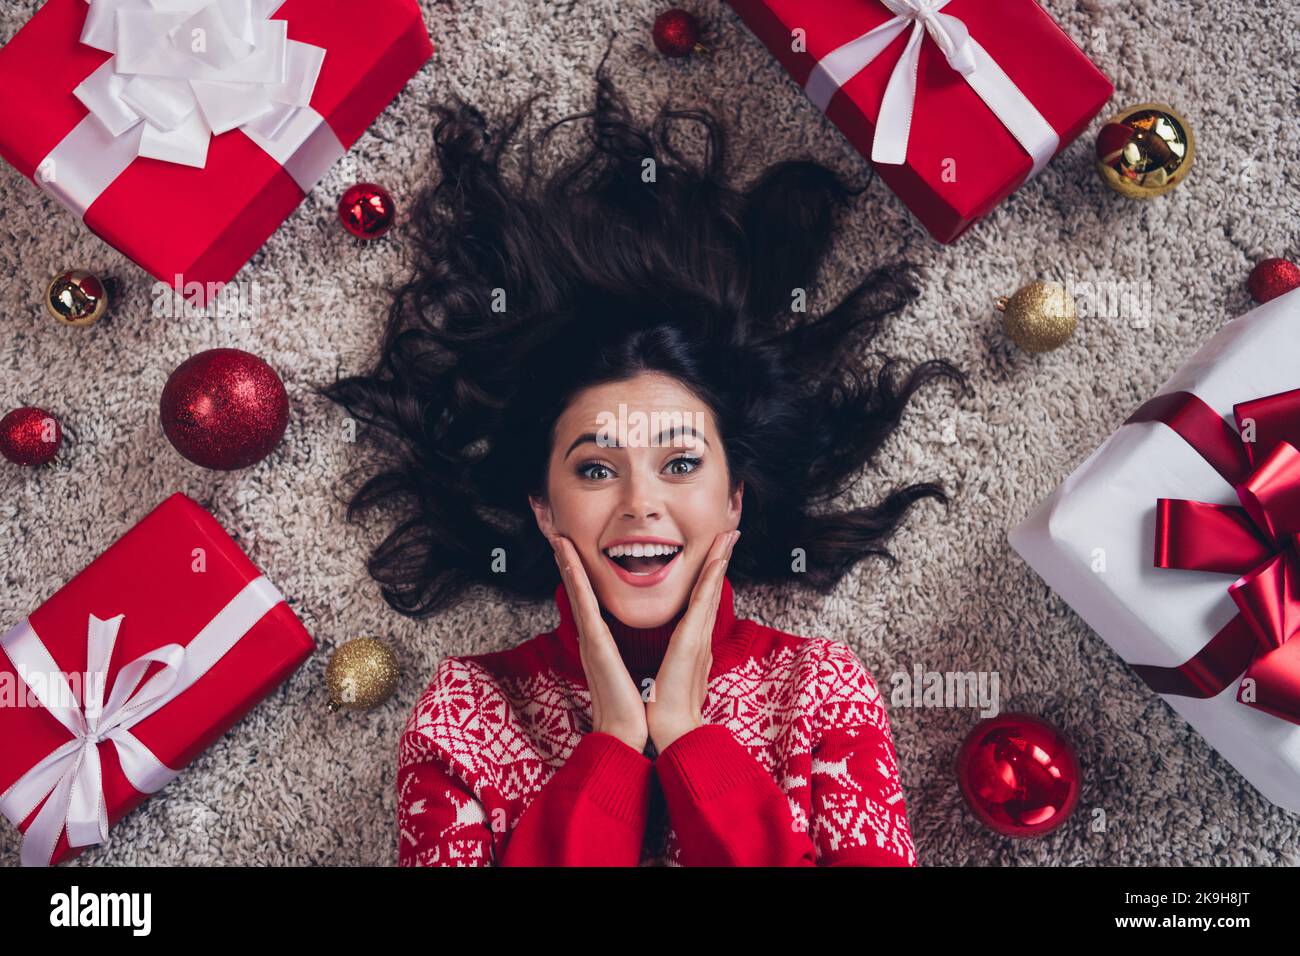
{"points": [[643, 560]]}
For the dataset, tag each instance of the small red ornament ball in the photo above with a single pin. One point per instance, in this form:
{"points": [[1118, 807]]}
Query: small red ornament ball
{"points": [[30, 436], [1019, 775], [367, 210], [1272, 278], [224, 409], [677, 33]]}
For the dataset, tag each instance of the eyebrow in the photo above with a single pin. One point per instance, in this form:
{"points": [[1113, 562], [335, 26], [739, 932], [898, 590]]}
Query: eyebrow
{"points": [[666, 433]]}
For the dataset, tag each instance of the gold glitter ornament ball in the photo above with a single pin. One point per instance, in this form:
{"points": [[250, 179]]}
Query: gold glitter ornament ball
{"points": [[1040, 317], [361, 674], [76, 298], [1145, 151]]}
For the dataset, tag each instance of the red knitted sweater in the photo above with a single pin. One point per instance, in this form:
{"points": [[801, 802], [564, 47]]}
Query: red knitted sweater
{"points": [[794, 765]]}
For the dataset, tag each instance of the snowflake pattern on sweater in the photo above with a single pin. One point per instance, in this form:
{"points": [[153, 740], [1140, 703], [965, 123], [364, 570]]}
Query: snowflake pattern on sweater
{"points": [[795, 765]]}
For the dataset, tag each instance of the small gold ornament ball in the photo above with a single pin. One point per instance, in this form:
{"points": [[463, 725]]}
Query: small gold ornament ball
{"points": [[1145, 151], [1040, 317], [361, 674], [76, 298]]}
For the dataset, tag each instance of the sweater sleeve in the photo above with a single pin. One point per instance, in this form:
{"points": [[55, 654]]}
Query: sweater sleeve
{"points": [[724, 807], [727, 810], [441, 820], [591, 812], [859, 817]]}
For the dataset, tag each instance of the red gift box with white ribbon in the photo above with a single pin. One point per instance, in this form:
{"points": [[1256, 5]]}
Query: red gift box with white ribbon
{"points": [[130, 671], [955, 102], [184, 132]]}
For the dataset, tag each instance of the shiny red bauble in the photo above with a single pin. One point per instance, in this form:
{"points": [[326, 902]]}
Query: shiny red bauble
{"points": [[224, 409], [1019, 775], [677, 33], [30, 436], [1272, 278], [367, 210]]}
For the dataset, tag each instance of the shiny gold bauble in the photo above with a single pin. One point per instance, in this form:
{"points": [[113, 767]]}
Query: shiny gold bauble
{"points": [[1040, 317], [361, 674], [76, 298], [1145, 151]]}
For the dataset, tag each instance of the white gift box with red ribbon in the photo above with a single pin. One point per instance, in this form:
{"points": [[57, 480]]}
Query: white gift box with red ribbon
{"points": [[1093, 540]]}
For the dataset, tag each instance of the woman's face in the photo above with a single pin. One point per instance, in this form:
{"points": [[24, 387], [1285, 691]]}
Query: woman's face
{"points": [[637, 467]]}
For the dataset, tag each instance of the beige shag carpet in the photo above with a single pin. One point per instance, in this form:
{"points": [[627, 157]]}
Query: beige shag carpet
{"points": [[294, 784]]}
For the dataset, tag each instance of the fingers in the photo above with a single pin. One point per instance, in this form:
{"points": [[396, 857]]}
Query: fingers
{"points": [[582, 599], [707, 593], [574, 575], [719, 570], [721, 574], [718, 550]]}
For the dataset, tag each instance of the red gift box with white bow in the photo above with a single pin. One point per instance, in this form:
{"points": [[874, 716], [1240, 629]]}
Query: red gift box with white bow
{"points": [[129, 671], [955, 102], [184, 132]]}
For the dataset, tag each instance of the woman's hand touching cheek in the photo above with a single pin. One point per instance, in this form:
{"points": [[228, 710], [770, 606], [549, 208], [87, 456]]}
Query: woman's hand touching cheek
{"points": [[616, 704], [677, 697]]}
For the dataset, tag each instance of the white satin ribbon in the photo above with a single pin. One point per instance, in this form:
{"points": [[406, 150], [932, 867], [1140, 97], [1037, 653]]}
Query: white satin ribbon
{"points": [[964, 54], [71, 774], [181, 72]]}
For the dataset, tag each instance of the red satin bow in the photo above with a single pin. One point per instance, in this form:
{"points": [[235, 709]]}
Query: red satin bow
{"points": [[1259, 541]]}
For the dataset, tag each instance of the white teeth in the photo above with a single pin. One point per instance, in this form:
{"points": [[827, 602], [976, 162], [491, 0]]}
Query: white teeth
{"points": [[641, 550]]}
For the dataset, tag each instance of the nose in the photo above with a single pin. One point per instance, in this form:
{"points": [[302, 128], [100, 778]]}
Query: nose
{"points": [[639, 499]]}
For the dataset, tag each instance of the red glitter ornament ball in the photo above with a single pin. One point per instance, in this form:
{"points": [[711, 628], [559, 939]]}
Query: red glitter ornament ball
{"points": [[224, 409], [367, 210], [1019, 775], [677, 33], [1272, 278], [30, 436]]}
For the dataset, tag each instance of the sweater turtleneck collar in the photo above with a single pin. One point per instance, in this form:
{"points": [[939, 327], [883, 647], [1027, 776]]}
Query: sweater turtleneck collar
{"points": [[643, 649]]}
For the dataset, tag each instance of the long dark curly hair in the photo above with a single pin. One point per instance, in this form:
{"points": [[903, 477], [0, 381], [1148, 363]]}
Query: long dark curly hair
{"points": [[628, 258]]}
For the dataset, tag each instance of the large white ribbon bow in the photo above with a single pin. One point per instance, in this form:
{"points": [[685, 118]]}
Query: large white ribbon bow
{"points": [[964, 54], [181, 72], [71, 774]]}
